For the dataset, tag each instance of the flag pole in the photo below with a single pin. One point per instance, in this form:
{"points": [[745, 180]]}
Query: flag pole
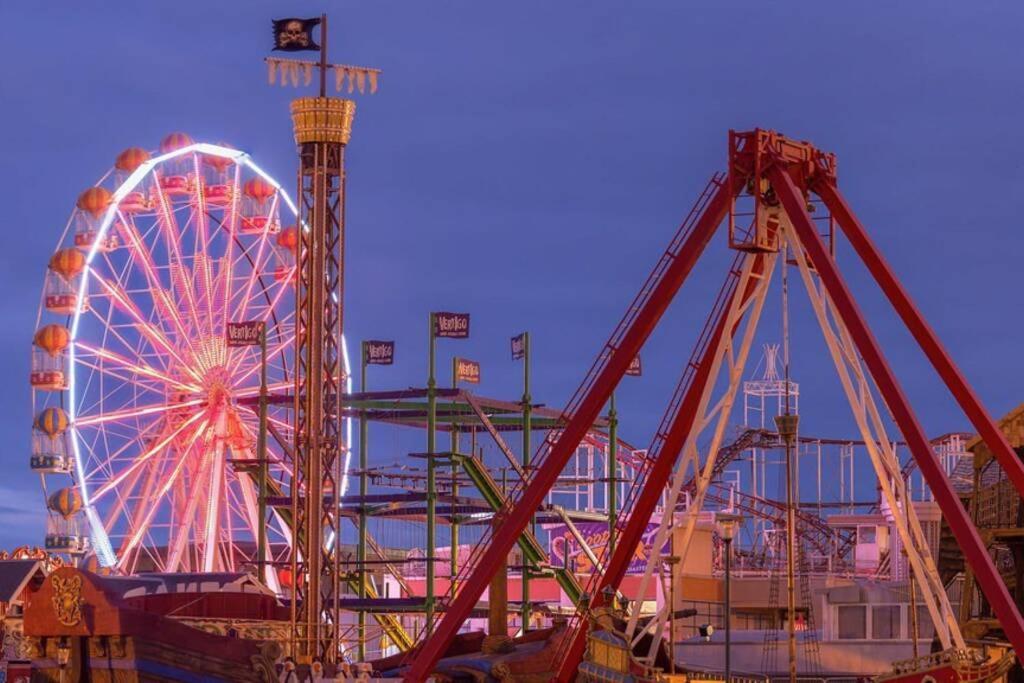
{"points": [[323, 55]]}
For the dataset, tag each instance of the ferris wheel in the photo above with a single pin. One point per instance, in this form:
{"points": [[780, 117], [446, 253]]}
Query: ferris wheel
{"points": [[146, 420]]}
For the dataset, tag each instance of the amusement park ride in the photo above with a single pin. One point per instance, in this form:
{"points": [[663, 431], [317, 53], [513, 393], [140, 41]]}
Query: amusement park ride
{"points": [[771, 185], [163, 448]]}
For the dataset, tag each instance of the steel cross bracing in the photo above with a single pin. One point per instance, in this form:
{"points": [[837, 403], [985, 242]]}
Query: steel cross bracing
{"points": [[758, 266], [677, 425], [318, 389], [781, 175], [883, 457], [847, 311]]}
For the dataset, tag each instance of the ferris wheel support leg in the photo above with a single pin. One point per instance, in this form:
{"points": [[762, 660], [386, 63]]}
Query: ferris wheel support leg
{"points": [[923, 334], [514, 520], [966, 535]]}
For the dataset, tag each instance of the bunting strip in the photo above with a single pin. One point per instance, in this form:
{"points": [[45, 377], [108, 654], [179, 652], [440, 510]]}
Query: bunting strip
{"points": [[359, 78]]}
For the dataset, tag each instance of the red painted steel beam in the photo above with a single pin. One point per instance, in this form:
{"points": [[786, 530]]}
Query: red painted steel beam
{"points": [[956, 516], [658, 476], [511, 523], [923, 333]]}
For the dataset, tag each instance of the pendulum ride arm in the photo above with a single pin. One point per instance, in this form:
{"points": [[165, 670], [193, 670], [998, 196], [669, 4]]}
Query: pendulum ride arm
{"points": [[849, 313], [681, 424], [668, 276], [923, 333]]}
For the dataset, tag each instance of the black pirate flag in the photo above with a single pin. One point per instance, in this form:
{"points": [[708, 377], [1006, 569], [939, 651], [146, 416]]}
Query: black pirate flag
{"points": [[294, 35]]}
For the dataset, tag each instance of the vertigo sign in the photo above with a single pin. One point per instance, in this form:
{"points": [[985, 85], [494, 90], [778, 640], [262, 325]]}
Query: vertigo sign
{"points": [[249, 333], [377, 352], [467, 371], [451, 325]]}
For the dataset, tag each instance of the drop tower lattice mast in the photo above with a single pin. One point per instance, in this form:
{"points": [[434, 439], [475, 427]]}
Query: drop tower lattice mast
{"points": [[322, 127]]}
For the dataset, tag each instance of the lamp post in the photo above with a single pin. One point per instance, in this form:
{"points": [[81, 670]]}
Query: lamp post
{"points": [[728, 523], [670, 563]]}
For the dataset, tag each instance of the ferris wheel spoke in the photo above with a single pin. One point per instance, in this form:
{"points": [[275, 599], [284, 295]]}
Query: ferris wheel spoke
{"points": [[231, 231], [161, 299], [214, 504], [207, 297], [171, 231], [193, 518], [113, 336], [100, 467], [144, 457], [114, 373], [143, 500], [135, 367], [202, 231], [152, 333], [221, 282], [256, 270], [272, 352], [138, 411], [123, 498], [180, 283], [142, 527]]}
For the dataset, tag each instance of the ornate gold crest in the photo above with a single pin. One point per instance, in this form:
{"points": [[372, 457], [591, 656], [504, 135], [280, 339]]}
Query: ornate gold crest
{"points": [[67, 599]]}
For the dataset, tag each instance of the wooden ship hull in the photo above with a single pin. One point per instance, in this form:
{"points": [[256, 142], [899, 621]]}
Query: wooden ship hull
{"points": [[74, 630]]}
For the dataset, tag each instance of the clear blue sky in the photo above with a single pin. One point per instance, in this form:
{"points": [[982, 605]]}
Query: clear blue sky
{"points": [[528, 161]]}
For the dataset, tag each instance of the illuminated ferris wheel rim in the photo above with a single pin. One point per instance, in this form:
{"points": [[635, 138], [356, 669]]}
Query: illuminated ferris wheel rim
{"points": [[101, 541]]}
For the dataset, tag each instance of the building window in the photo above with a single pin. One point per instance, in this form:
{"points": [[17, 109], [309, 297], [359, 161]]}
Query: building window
{"points": [[885, 622], [866, 534], [853, 622]]}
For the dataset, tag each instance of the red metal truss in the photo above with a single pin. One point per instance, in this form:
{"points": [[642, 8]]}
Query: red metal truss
{"points": [[640, 512], [923, 333], [956, 516], [773, 170], [511, 521]]}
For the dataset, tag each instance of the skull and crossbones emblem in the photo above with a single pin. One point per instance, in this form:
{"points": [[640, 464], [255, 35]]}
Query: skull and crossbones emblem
{"points": [[293, 35]]}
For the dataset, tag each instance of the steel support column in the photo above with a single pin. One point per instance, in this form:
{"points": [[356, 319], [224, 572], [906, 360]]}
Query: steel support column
{"points": [[322, 129]]}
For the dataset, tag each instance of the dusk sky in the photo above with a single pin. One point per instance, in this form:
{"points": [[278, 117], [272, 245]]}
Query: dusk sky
{"points": [[527, 162]]}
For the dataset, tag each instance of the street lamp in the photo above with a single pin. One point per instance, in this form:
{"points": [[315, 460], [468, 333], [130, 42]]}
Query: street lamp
{"points": [[670, 563], [728, 523]]}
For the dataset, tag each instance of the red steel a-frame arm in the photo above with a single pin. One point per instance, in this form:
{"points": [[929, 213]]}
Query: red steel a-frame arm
{"points": [[795, 204], [923, 333], [647, 500], [511, 521]]}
